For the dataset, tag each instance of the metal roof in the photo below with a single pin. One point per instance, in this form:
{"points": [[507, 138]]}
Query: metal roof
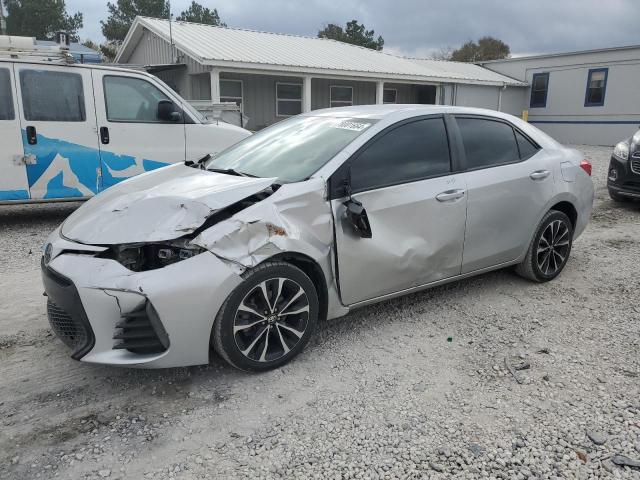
{"points": [[563, 54], [249, 49]]}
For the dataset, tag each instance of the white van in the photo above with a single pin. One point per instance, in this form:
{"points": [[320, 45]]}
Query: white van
{"points": [[70, 131]]}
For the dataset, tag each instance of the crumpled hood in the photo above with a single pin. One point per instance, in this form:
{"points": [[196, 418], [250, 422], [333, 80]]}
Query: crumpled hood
{"points": [[160, 205]]}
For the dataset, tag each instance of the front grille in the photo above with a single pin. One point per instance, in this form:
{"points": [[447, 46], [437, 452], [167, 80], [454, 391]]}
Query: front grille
{"points": [[635, 166], [141, 332], [70, 331]]}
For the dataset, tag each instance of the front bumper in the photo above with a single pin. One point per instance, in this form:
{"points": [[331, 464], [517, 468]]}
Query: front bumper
{"points": [[98, 297], [627, 177]]}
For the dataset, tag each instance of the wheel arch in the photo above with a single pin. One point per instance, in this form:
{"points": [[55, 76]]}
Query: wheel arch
{"points": [[313, 270], [568, 209]]}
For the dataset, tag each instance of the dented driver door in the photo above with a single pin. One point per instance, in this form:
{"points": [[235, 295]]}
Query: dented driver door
{"points": [[415, 209]]}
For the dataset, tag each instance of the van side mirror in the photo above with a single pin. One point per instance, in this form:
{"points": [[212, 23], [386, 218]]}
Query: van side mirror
{"points": [[167, 111], [356, 215]]}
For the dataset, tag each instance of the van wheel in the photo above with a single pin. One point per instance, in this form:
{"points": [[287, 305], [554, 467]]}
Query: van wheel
{"points": [[549, 250], [268, 319]]}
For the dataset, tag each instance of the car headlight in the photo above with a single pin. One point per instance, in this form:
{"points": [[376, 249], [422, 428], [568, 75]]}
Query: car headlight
{"points": [[150, 256], [621, 151]]}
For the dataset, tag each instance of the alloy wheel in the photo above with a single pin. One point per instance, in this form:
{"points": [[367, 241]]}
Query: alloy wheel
{"points": [[553, 247], [271, 319]]}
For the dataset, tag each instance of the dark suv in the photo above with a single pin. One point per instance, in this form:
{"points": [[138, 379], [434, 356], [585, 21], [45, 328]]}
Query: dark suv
{"points": [[623, 180]]}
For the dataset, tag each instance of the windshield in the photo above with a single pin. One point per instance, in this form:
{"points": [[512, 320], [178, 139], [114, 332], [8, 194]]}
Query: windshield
{"points": [[291, 150]]}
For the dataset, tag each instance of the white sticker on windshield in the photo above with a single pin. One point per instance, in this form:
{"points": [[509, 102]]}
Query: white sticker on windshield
{"points": [[349, 125]]}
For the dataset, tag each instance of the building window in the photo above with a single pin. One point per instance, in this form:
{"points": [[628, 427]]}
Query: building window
{"points": [[288, 99], [340, 96], [390, 95], [539, 88], [231, 91], [596, 87]]}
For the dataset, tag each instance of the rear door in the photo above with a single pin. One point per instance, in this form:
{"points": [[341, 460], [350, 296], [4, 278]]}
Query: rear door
{"points": [[57, 117], [13, 174], [416, 210], [133, 136], [509, 181]]}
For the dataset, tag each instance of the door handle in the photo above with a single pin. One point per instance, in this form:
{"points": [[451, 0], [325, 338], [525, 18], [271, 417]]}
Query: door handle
{"points": [[104, 135], [32, 135], [450, 195], [539, 174]]}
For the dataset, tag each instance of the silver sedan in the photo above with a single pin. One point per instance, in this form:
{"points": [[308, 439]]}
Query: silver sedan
{"points": [[245, 252]]}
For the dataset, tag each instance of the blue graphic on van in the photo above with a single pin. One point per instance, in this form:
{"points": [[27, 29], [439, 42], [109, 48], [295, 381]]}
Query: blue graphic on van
{"points": [[14, 195], [64, 169]]}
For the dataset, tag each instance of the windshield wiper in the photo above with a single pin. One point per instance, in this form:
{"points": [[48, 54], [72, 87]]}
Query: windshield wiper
{"points": [[230, 171], [198, 163]]}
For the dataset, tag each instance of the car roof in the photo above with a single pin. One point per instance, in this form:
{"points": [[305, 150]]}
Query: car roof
{"points": [[378, 112]]}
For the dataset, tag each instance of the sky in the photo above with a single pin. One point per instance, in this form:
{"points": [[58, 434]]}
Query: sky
{"points": [[421, 27]]}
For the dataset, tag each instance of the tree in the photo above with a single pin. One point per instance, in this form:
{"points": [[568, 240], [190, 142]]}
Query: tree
{"points": [[199, 14], [355, 34], [443, 53], [108, 50], [41, 19], [122, 14], [487, 48]]}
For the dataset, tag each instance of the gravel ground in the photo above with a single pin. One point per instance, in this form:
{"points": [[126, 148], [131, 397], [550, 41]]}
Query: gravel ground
{"points": [[418, 387]]}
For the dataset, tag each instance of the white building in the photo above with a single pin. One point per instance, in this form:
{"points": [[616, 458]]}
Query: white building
{"points": [[588, 97], [273, 76]]}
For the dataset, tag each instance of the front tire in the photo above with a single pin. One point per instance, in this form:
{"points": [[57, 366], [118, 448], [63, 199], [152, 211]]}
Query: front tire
{"points": [[549, 250], [268, 319]]}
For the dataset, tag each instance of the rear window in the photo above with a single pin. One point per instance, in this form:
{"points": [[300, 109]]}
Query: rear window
{"points": [[487, 143], [6, 97], [52, 96]]}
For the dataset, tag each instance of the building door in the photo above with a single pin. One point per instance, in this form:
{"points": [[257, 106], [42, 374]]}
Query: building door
{"points": [[57, 118], [13, 172]]}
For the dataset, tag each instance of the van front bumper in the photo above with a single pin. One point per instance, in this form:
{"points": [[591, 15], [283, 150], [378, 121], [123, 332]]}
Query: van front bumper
{"points": [[108, 314]]}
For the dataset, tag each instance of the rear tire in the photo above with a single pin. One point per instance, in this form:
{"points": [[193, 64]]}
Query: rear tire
{"points": [[268, 319], [549, 250], [618, 198]]}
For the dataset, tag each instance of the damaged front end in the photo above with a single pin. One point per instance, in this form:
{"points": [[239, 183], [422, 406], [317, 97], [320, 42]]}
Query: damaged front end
{"points": [[151, 294]]}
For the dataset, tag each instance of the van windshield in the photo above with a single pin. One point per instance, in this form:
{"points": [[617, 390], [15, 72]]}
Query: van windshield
{"points": [[291, 150]]}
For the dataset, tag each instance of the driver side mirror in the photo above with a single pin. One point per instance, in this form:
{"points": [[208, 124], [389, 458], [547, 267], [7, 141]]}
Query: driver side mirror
{"points": [[167, 111], [356, 215]]}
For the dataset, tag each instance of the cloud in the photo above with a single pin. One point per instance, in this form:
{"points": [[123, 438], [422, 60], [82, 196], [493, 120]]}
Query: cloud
{"points": [[419, 27]]}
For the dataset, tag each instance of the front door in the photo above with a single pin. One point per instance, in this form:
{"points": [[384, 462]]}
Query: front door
{"points": [[58, 130], [509, 180], [13, 173], [137, 130], [416, 210]]}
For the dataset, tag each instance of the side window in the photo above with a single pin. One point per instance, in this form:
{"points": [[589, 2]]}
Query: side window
{"points": [[6, 97], [131, 99], [539, 88], [527, 149], [49, 96], [596, 87], [487, 143], [410, 152]]}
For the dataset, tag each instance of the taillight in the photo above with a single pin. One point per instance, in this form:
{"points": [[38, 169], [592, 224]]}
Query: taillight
{"points": [[586, 166]]}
